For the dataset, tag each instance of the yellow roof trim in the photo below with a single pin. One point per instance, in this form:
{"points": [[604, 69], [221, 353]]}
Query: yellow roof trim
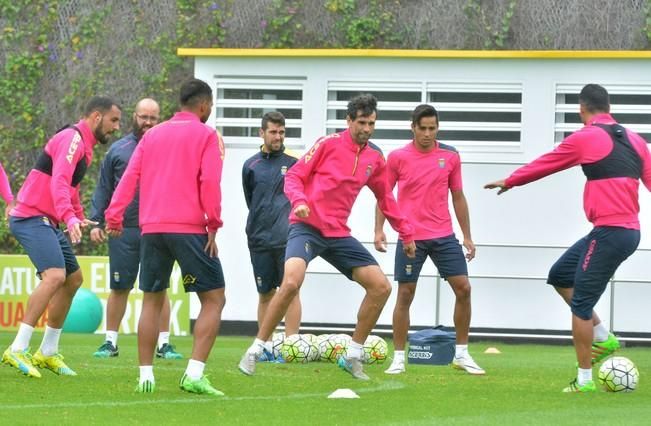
{"points": [[421, 54]]}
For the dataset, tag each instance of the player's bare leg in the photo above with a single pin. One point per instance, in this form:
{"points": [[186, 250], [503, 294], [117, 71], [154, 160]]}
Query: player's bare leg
{"points": [[293, 277], [401, 321], [378, 290], [462, 314]]}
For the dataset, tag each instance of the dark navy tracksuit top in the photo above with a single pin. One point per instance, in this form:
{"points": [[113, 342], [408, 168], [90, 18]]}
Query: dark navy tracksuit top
{"points": [[263, 180], [113, 167]]}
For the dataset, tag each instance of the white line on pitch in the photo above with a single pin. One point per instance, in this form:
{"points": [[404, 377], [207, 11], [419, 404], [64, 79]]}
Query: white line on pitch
{"points": [[388, 386]]}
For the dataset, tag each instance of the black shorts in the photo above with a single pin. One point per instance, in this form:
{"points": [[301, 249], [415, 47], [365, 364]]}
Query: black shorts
{"points": [[46, 245], [445, 252], [345, 253], [590, 263], [268, 268], [124, 259], [158, 252]]}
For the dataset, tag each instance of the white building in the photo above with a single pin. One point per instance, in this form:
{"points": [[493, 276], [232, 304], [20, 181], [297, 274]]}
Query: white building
{"points": [[500, 109]]}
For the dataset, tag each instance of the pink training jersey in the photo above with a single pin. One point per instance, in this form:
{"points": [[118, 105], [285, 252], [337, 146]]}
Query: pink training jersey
{"points": [[424, 181], [328, 179], [178, 165], [5, 188], [53, 196], [607, 202]]}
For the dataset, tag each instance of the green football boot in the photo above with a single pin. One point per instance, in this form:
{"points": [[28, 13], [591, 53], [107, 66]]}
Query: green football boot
{"points": [[200, 386], [601, 350], [575, 388], [148, 386]]}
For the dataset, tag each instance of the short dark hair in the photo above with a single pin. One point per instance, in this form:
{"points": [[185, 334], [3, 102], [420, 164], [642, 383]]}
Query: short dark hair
{"points": [[275, 117], [421, 111], [102, 104], [594, 98], [194, 91], [366, 103]]}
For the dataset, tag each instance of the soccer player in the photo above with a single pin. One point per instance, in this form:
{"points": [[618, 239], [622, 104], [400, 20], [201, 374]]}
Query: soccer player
{"points": [[5, 191], [267, 226], [124, 251], [322, 187], [177, 165], [50, 196], [426, 171], [614, 160]]}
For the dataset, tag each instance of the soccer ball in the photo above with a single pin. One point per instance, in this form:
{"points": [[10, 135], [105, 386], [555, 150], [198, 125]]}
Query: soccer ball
{"points": [[332, 347], [314, 352], [277, 342], [619, 374], [297, 348], [375, 350]]}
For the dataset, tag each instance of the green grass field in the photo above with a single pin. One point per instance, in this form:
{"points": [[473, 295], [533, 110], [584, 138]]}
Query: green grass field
{"points": [[522, 386]]}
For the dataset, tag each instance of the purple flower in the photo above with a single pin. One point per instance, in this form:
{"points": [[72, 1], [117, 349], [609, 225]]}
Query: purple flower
{"points": [[79, 54], [53, 57], [40, 48], [213, 6], [263, 23]]}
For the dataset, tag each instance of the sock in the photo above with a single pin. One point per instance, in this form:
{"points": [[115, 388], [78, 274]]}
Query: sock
{"points": [[146, 373], [600, 332], [163, 338], [461, 351], [399, 356], [354, 350], [195, 369], [269, 345], [112, 336], [257, 346], [50, 343], [584, 376], [24, 335]]}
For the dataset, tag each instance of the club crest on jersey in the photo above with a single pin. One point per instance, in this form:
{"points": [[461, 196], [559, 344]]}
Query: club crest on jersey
{"points": [[369, 170], [116, 277], [441, 163], [189, 279], [283, 170], [408, 269]]}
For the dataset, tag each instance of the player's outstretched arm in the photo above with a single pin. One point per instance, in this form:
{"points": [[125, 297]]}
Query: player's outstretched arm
{"points": [[501, 184]]}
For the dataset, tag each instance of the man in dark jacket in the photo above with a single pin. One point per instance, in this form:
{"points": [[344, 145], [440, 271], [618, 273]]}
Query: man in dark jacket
{"points": [[267, 226]]}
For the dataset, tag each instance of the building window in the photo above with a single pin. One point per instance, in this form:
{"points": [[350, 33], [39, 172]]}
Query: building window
{"points": [[630, 105], [484, 116], [241, 103]]}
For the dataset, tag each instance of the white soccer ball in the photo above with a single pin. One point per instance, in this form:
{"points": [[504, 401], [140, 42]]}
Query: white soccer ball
{"points": [[277, 342], [297, 348], [619, 374], [314, 352], [333, 346], [375, 350]]}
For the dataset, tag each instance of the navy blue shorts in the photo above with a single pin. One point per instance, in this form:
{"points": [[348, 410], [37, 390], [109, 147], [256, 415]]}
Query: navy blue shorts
{"points": [[268, 268], [345, 253], [124, 258], [590, 263], [46, 245], [158, 252], [445, 252]]}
